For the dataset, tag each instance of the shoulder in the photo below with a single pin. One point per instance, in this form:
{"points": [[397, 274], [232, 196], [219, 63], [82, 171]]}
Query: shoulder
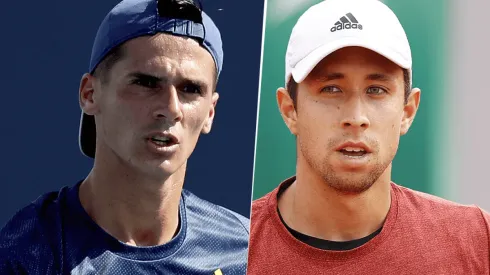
{"points": [[421, 200], [209, 214], [458, 231], [264, 208], [26, 239], [26, 225], [260, 206], [261, 217], [468, 218]]}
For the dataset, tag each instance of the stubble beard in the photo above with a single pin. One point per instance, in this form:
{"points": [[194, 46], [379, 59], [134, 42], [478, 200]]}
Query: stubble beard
{"points": [[350, 182], [356, 184]]}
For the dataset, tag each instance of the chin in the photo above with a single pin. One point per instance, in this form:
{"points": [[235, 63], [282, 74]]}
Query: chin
{"points": [[158, 164], [167, 166], [351, 182], [351, 187], [158, 168]]}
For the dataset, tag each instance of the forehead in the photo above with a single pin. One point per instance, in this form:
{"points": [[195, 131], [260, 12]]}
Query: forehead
{"points": [[356, 61], [162, 51]]}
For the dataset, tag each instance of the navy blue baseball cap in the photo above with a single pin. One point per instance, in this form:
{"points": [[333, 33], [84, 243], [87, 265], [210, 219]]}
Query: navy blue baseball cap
{"points": [[134, 18]]}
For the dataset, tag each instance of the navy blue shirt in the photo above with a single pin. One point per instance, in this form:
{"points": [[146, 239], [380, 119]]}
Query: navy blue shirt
{"points": [[54, 235]]}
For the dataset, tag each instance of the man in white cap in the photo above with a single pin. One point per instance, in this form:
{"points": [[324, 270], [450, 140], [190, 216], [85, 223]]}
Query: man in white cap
{"points": [[348, 99]]}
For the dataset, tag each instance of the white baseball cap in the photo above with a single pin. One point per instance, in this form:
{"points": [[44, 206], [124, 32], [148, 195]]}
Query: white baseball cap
{"points": [[334, 24]]}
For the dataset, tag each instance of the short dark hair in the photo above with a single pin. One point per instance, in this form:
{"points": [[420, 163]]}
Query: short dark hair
{"points": [[180, 9], [102, 70], [292, 87]]}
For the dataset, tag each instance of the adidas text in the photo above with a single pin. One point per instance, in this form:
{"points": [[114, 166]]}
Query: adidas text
{"points": [[346, 26]]}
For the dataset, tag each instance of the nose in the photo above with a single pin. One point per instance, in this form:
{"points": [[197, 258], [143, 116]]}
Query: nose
{"points": [[355, 115], [168, 105]]}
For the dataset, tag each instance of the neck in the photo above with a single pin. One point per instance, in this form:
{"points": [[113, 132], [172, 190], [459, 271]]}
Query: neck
{"points": [[312, 207], [132, 207]]}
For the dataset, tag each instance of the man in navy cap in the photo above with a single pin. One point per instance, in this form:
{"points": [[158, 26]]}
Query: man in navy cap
{"points": [[149, 94]]}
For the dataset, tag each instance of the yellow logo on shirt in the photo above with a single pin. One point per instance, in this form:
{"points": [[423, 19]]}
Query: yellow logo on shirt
{"points": [[218, 272]]}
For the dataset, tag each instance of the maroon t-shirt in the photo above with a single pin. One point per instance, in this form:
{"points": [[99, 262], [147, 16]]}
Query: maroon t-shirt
{"points": [[422, 234]]}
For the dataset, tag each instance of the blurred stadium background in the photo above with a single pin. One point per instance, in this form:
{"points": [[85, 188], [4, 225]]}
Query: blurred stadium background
{"points": [[446, 151]]}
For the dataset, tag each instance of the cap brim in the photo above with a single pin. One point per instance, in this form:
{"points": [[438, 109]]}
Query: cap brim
{"points": [[87, 135], [305, 66]]}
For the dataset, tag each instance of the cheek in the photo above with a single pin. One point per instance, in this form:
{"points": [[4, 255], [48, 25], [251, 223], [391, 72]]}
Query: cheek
{"points": [[194, 116], [133, 113], [127, 117], [318, 117], [316, 126], [128, 124], [388, 130]]}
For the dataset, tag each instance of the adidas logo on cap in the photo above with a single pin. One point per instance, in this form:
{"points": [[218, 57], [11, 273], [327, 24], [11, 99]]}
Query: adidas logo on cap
{"points": [[346, 22]]}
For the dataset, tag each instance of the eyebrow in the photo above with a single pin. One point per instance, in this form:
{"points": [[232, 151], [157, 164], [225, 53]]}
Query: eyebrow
{"points": [[145, 76], [380, 77], [141, 75], [374, 76], [330, 77]]}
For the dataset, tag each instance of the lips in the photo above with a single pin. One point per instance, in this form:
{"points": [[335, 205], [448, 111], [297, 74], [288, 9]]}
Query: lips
{"points": [[354, 149], [163, 139]]}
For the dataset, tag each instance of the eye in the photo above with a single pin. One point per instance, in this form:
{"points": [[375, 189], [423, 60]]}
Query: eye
{"points": [[330, 90], [191, 88], [376, 91], [146, 82]]}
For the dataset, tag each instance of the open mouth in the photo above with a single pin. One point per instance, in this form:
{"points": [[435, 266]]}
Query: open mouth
{"points": [[354, 149], [353, 152], [163, 140]]}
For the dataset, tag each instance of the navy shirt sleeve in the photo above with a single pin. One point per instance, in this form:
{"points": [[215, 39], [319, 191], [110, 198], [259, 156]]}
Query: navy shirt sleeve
{"points": [[25, 248]]}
